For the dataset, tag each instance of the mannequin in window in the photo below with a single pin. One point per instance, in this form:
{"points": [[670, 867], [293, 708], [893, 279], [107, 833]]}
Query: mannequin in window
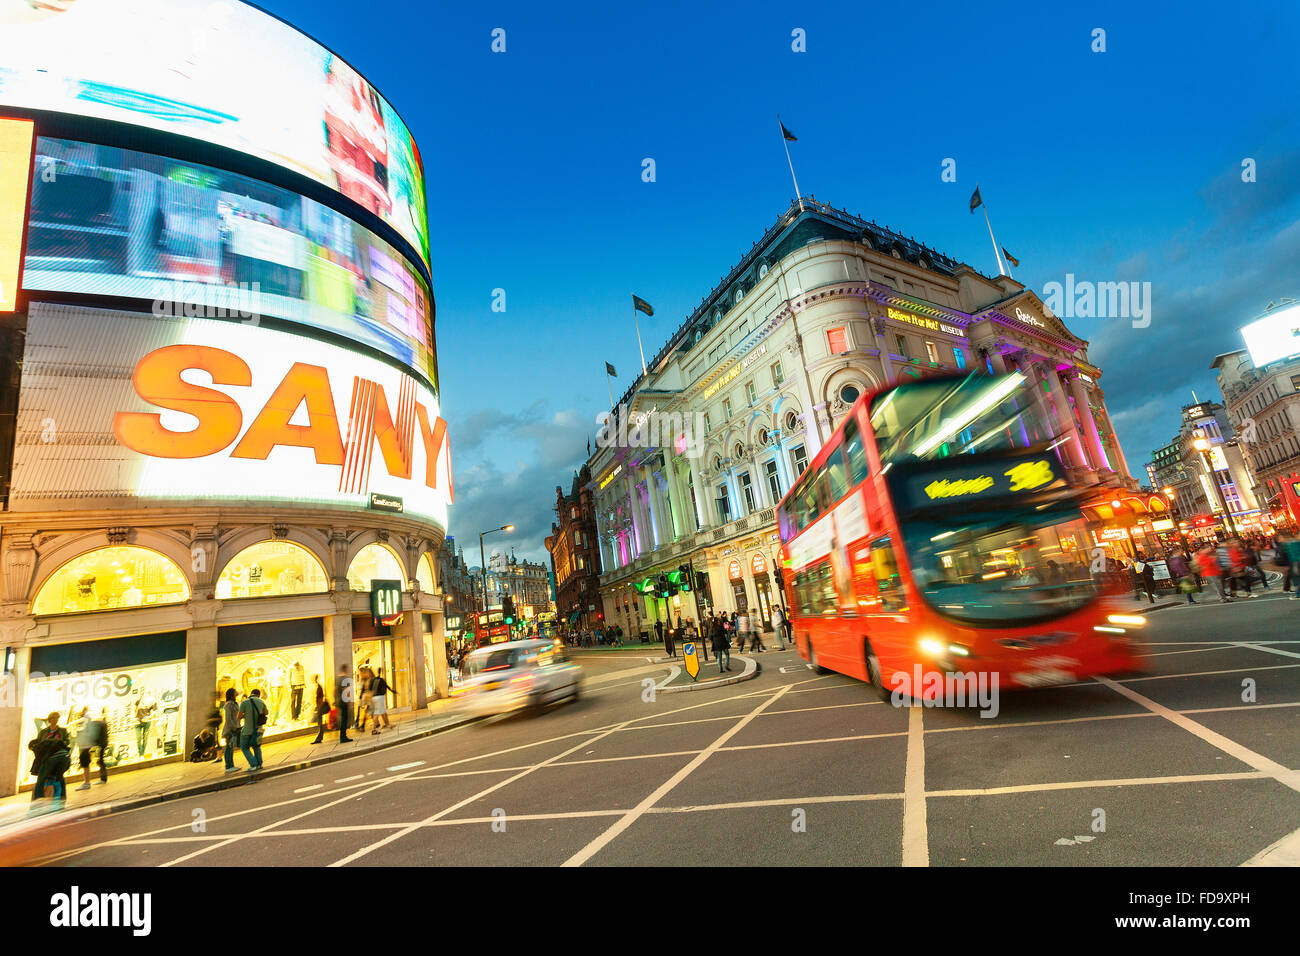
{"points": [[296, 684], [145, 709], [278, 686], [132, 596]]}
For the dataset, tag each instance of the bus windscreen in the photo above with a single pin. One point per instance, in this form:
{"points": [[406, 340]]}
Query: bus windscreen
{"points": [[931, 419]]}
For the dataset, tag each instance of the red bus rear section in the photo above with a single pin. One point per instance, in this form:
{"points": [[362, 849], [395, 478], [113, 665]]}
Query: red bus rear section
{"points": [[936, 533]]}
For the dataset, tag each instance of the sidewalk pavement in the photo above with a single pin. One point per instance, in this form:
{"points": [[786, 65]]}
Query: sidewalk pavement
{"points": [[129, 789]]}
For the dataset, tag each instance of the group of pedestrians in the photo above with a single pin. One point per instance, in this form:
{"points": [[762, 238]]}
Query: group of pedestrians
{"points": [[719, 632], [52, 754], [1232, 567]]}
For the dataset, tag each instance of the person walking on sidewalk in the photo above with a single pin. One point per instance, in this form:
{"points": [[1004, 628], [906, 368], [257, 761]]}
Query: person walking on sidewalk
{"points": [[779, 624], [1208, 563], [722, 645], [92, 738], [670, 638], [252, 716], [379, 691], [1182, 574], [343, 691], [745, 625], [321, 708], [230, 727], [51, 758], [1238, 572], [1252, 565]]}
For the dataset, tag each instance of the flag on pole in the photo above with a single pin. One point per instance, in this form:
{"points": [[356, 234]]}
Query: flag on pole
{"points": [[975, 200], [1010, 258], [641, 305], [790, 137], [609, 370]]}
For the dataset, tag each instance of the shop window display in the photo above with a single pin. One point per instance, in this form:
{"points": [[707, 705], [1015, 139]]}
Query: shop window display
{"points": [[374, 561], [143, 707], [424, 574], [272, 568], [284, 676], [112, 578]]}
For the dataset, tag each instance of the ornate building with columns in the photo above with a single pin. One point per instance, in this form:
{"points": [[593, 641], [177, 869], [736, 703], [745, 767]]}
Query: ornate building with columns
{"points": [[826, 306]]}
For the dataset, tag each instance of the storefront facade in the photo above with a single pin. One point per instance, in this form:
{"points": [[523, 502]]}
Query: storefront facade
{"points": [[220, 387]]}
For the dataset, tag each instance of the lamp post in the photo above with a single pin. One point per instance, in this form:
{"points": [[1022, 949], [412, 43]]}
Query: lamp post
{"points": [[483, 560], [1202, 445], [1182, 538]]}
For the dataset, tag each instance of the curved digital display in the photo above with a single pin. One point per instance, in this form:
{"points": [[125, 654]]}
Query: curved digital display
{"points": [[225, 73], [201, 242]]}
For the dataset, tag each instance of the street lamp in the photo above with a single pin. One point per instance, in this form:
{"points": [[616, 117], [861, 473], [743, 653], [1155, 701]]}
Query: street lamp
{"points": [[483, 560], [1202, 445]]}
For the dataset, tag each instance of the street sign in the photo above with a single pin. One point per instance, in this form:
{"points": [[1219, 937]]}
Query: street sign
{"points": [[692, 659]]}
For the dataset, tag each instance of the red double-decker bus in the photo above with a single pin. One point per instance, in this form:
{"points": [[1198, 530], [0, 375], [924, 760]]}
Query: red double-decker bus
{"points": [[936, 529]]}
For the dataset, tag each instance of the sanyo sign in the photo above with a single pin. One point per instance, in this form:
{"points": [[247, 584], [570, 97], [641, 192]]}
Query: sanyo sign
{"points": [[238, 411]]}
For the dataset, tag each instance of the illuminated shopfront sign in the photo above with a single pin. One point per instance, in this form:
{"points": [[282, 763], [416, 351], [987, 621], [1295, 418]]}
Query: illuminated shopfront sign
{"points": [[758, 564], [734, 572], [385, 603], [925, 323], [724, 380], [611, 476], [196, 241], [222, 72], [1110, 534], [751, 359], [1274, 337], [15, 165], [1164, 524], [278, 417]]}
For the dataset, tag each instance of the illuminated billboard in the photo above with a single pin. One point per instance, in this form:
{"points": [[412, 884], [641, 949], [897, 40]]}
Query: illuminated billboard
{"points": [[222, 72], [123, 409], [1274, 337], [15, 162], [115, 222]]}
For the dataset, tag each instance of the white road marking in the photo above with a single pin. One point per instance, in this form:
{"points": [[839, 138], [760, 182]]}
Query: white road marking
{"points": [[596, 845], [1284, 776], [1285, 852], [1085, 784], [406, 766], [916, 838], [1271, 650], [366, 850], [355, 776], [314, 786]]}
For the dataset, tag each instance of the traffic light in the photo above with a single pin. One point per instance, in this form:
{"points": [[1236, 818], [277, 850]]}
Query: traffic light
{"points": [[684, 576], [780, 579], [508, 609], [701, 581]]}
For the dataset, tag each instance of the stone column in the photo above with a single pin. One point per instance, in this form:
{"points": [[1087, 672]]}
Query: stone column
{"points": [[882, 335], [1025, 365], [337, 637], [13, 748], [704, 515], [1065, 420], [1089, 423], [200, 668], [412, 628], [803, 390]]}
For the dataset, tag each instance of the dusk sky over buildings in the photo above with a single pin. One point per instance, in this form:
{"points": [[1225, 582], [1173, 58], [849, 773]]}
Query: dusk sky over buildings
{"points": [[1122, 166]]}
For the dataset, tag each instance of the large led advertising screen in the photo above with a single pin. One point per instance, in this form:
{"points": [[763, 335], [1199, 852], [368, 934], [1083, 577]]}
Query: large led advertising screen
{"points": [[223, 72], [123, 409], [1274, 337], [194, 239]]}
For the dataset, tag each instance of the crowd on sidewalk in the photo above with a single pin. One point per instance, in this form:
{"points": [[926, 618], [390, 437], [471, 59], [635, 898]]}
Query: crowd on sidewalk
{"points": [[238, 721], [1229, 566], [719, 632]]}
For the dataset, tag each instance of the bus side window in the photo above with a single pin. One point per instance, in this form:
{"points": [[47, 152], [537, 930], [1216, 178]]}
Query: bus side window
{"points": [[825, 590], [855, 454], [835, 476], [888, 581]]}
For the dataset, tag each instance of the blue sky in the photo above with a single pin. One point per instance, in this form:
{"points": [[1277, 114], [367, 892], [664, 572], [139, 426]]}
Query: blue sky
{"points": [[1115, 166]]}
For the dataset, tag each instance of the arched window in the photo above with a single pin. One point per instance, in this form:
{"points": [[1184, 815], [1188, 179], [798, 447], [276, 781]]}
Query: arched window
{"points": [[272, 568], [424, 573], [112, 578], [849, 394], [791, 420], [374, 561]]}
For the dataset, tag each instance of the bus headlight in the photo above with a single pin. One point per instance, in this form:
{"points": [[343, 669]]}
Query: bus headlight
{"points": [[1129, 620], [930, 647]]}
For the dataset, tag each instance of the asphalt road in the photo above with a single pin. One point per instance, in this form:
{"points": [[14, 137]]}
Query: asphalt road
{"points": [[1168, 769]]}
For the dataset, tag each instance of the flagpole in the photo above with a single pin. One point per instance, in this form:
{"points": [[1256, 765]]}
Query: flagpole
{"points": [[609, 388], [786, 143], [997, 252], [638, 335]]}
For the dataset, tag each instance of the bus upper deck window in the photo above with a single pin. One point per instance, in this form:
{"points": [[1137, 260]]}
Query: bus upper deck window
{"points": [[855, 454]]}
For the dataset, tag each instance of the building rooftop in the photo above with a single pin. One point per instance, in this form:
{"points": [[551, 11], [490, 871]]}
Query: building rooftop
{"points": [[805, 221]]}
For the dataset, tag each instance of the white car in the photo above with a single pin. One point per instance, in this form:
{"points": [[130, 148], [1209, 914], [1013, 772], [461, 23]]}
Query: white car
{"points": [[505, 677]]}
